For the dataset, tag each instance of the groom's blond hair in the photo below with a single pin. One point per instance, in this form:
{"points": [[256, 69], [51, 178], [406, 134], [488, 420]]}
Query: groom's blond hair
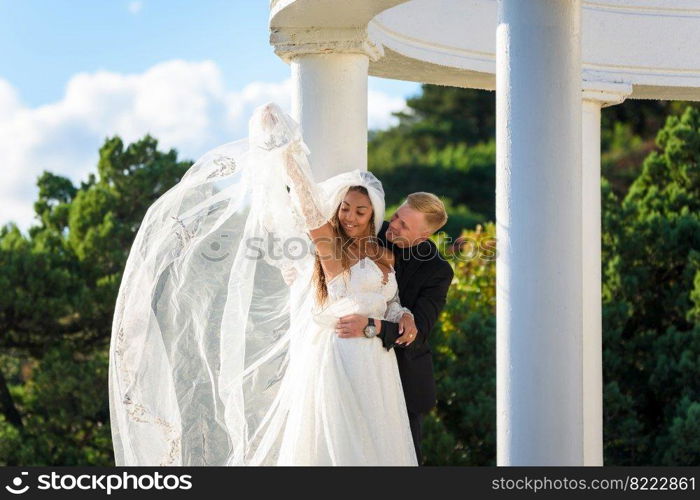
{"points": [[431, 207]]}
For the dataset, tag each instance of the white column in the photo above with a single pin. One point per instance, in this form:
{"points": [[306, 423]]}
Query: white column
{"points": [[595, 96], [330, 101], [329, 98], [539, 230]]}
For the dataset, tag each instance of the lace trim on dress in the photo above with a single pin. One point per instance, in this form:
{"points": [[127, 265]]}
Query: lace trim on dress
{"points": [[385, 277], [394, 310]]}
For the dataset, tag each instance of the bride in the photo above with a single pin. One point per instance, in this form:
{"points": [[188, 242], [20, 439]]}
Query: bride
{"points": [[215, 359]]}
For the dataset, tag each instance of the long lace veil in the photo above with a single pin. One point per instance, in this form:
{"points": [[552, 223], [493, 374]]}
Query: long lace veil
{"points": [[203, 319], [200, 331]]}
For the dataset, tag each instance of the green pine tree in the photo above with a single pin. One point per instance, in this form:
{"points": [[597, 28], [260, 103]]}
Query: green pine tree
{"points": [[58, 287], [651, 294]]}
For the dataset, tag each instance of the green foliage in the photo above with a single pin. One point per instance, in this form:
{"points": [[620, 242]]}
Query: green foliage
{"points": [[462, 429], [58, 286], [444, 144], [55, 196], [650, 295], [105, 215], [622, 153], [440, 116], [65, 413], [643, 117], [39, 289], [628, 131], [681, 444], [463, 175]]}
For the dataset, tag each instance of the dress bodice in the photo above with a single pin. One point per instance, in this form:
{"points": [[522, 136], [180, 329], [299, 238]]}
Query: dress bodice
{"points": [[365, 288]]}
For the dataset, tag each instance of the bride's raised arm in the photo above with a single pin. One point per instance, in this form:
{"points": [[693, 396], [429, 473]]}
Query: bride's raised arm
{"points": [[305, 193]]}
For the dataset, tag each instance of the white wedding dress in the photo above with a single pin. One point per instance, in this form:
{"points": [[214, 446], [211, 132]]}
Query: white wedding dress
{"points": [[215, 360], [352, 410]]}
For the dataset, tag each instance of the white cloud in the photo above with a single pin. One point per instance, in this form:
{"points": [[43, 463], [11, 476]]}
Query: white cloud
{"points": [[135, 7], [379, 109], [185, 105]]}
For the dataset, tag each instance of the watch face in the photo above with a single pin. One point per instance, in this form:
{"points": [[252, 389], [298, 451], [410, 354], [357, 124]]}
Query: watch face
{"points": [[370, 331]]}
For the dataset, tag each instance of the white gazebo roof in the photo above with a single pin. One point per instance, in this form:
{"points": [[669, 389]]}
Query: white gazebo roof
{"points": [[453, 42]]}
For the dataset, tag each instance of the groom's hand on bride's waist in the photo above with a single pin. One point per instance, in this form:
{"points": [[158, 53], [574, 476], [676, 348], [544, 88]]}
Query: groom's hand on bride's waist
{"points": [[353, 325], [407, 330]]}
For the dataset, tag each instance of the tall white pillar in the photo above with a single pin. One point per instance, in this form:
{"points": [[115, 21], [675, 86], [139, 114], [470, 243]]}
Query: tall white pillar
{"points": [[330, 101], [596, 95], [329, 98], [539, 231]]}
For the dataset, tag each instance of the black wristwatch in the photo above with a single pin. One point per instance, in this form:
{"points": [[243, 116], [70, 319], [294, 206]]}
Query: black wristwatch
{"points": [[370, 330]]}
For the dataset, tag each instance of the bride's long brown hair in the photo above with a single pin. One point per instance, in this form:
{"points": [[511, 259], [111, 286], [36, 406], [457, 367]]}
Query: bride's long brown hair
{"points": [[341, 246]]}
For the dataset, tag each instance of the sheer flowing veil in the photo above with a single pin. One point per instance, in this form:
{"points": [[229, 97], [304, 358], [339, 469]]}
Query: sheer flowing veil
{"points": [[203, 319]]}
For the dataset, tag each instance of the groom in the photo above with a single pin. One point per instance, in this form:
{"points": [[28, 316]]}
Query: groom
{"points": [[423, 277]]}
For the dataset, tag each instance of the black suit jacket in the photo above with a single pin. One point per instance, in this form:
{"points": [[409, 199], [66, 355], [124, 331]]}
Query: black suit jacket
{"points": [[423, 277]]}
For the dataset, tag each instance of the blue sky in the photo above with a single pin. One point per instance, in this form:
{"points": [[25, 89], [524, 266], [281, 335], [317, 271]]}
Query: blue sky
{"points": [[73, 72]]}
